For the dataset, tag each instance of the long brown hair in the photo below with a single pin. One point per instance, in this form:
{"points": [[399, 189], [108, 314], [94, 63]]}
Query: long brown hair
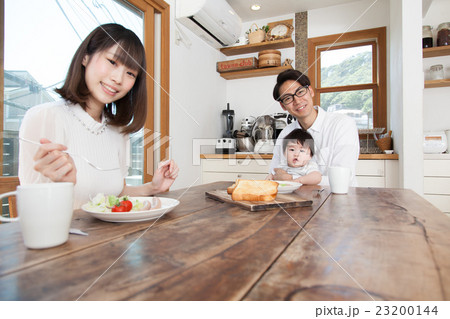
{"points": [[130, 111]]}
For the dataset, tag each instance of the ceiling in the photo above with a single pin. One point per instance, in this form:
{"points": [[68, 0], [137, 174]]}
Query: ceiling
{"points": [[273, 8]]}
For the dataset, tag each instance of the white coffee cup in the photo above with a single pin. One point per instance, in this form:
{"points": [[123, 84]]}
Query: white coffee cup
{"points": [[45, 213], [242, 40], [339, 178]]}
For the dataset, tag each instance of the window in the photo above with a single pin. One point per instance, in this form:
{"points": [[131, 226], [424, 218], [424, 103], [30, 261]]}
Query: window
{"points": [[348, 73]]}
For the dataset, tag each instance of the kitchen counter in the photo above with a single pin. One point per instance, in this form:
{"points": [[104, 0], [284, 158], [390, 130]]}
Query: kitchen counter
{"points": [[372, 170], [245, 155]]}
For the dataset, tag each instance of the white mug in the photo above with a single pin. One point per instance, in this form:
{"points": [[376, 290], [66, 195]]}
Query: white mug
{"points": [[45, 213], [242, 40], [339, 178]]}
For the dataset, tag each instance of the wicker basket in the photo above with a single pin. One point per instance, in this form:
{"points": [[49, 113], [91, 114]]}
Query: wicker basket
{"points": [[256, 36], [385, 143]]}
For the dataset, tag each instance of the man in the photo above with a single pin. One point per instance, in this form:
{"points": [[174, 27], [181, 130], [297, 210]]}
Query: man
{"points": [[336, 140]]}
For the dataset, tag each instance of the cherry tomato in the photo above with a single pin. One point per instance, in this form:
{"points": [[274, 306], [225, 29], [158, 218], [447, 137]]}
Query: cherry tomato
{"points": [[124, 206], [118, 209], [127, 204]]}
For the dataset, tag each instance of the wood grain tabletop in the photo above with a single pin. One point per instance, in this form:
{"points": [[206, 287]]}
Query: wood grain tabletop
{"points": [[372, 244]]}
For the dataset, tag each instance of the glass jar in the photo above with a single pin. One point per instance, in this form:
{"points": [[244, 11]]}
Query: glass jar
{"points": [[437, 72], [443, 34], [427, 37]]}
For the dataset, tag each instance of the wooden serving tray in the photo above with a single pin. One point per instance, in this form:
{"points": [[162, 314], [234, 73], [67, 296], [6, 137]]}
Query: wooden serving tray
{"points": [[281, 201]]}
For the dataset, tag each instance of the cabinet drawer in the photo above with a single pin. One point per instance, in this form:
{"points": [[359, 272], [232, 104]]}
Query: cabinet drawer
{"points": [[436, 185], [440, 201], [370, 181], [236, 165], [370, 168], [210, 177], [436, 168]]}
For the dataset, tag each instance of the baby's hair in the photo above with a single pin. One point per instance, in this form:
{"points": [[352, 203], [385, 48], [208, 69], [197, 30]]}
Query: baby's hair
{"points": [[299, 136]]}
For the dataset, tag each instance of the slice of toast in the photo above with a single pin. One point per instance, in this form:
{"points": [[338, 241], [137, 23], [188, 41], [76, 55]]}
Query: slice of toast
{"points": [[231, 189], [255, 190]]}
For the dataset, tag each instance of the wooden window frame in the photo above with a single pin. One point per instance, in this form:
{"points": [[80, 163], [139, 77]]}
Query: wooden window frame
{"points": [[375, 37], [149, 7]]}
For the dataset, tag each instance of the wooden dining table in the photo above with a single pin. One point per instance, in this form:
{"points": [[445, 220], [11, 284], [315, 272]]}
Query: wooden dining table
{"points": [[371, 244]]}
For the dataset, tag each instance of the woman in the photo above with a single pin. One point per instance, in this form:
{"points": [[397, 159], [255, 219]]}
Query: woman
{"points": [[104, 100]]}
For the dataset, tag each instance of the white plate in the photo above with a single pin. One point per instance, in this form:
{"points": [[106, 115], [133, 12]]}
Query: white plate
{"points": [[285, 187], [167, 204]]}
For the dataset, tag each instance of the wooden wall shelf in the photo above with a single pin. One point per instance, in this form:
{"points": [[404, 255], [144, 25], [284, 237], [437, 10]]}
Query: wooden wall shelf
{"points": [[254, 73], [256, 47], [436, 51], [437, 83]]}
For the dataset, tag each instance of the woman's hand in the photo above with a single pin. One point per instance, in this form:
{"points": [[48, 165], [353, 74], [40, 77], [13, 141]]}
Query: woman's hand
{"points": [[164, 176], [281, 175], [52, 162]]}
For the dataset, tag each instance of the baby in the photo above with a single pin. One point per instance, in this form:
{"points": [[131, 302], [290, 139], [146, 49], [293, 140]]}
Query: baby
{"points": [[298, 147]]}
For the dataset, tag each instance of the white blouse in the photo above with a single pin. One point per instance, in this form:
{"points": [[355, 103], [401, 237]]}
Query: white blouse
{"points": [[68, 124]]}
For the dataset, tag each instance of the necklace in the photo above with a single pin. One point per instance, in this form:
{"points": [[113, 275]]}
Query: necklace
{"points": [[94, 129]]}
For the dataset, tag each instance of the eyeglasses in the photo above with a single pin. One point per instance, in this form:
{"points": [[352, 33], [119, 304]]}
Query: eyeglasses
{"points": [[289, 98]]}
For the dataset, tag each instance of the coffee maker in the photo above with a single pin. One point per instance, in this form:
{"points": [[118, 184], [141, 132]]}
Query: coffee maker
{"points": [[229, 116], [227, 144], [281, 121]]}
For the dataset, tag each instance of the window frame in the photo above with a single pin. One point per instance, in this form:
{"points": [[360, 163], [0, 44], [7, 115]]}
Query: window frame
{"points": [[375, 37], [149, 8]]}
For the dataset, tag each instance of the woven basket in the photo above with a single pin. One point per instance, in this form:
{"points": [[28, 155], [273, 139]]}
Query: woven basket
{"points": [[256, 36], [385, 143]]}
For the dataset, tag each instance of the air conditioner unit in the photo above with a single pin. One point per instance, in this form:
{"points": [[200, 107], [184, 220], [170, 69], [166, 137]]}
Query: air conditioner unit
{"points": [[212, 20]]}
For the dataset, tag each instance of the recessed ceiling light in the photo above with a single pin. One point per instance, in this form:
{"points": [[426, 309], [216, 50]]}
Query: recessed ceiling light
{"points": [[255, 7]]}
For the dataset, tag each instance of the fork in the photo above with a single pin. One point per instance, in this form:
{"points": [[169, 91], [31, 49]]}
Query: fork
{"points": [[74, 154]]}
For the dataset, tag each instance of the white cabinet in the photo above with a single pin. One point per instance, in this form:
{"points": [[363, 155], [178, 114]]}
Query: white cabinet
{"points": [[369, 173], [377, 173], [436, 180], [229, 169]]}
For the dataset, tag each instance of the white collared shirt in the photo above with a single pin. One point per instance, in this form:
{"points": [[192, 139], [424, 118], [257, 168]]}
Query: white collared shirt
{"points": [[336, 143]]}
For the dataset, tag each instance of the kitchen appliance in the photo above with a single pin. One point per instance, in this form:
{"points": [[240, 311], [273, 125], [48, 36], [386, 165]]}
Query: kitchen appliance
{"points": [[263, 133], [228, 115], [225, 146], [245, 144], [281, 121], [213, 21], [434, 142], [247, 125]]}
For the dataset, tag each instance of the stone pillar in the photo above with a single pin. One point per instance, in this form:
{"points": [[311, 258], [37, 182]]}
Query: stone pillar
{"points": [[301, 42]]}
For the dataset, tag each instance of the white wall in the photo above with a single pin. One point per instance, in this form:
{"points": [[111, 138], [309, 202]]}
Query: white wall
{"points": [[352, 16], [436, 101], [253, 96], [198, 95]]}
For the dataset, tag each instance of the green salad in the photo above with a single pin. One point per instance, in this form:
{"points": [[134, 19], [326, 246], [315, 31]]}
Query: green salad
{"points": [[104, 203]]}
